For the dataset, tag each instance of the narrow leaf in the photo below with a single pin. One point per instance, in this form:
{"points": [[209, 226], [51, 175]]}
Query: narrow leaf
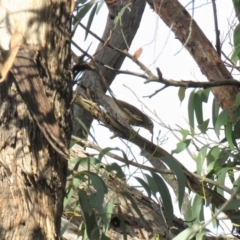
{"points": [[184, 133], [237, 100], [204, 126], [144, 185], [198, 107], [181, 146], [116, 168], [200, 235], [234, 204], [215, 111], [200, 159], [191, 111], [187, 234], [221, 120], [205, 95], [166, 197], [198, 208], [152, 184], [176, 167], [135, 207], [229, 135], [99, 185], [236, 36], [82, 13], [181, 93], [122, 223], [90, 19], [107, 216]]}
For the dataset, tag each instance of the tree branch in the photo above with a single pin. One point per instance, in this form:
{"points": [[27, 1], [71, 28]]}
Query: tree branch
{"points": [[152, 151]]}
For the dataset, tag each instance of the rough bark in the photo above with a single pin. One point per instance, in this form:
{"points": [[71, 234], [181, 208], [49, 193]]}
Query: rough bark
{"points": [[32, 173]]}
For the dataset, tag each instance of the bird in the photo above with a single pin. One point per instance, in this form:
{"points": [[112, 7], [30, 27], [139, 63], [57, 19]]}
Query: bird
{"points": [[124, 111]]}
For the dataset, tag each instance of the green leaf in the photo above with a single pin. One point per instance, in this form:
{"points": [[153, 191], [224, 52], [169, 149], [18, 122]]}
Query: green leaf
{"points": [[198, 208], [120, 14], [200, 235], [184, 133], [87, 132], [187, 234], [83, 162], [82, 13], [181, 93], [89, 215], [166, 197], [135, 207], [144, 185], [213, 155], [152, 185], [90, 19], [107, 216], [236, 131], [91, 225], [237, 100], [122, 223], [80, 2], [100, 6], [116, 168], [105, 151], [223, 157], [198, 107], [176, 167], [229, 135], [188, 215], [191, 111], [235, 115], [236, 54], [70, 191], [234, 204], [204, 126], [85, 202], [221, 120], [236, 184], [205, 95], [200, 158], [215, 111], [221, 178], [181, 146], [236, 36], [104, 237], [231, 175], [215, 222], [99, 185]]}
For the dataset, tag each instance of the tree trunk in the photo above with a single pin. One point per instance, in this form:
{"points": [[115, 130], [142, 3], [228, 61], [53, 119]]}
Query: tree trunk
{"points": [[35, 117]]}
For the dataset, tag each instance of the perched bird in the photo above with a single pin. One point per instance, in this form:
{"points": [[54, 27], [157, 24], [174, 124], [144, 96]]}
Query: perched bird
{"points": [[124, 111]]}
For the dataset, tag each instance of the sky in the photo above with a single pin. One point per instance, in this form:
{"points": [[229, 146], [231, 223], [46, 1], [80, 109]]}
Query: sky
{"points": [[160, 49]]}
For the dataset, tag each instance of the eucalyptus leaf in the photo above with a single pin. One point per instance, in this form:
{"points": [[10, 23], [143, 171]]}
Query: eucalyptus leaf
{"points": [[221, 120], [191, 111], [166, 197], [176, 167]]}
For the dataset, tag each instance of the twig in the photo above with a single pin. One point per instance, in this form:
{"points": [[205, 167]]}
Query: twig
{"points": [[115, 156], [193, 84], [218, 44]]}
